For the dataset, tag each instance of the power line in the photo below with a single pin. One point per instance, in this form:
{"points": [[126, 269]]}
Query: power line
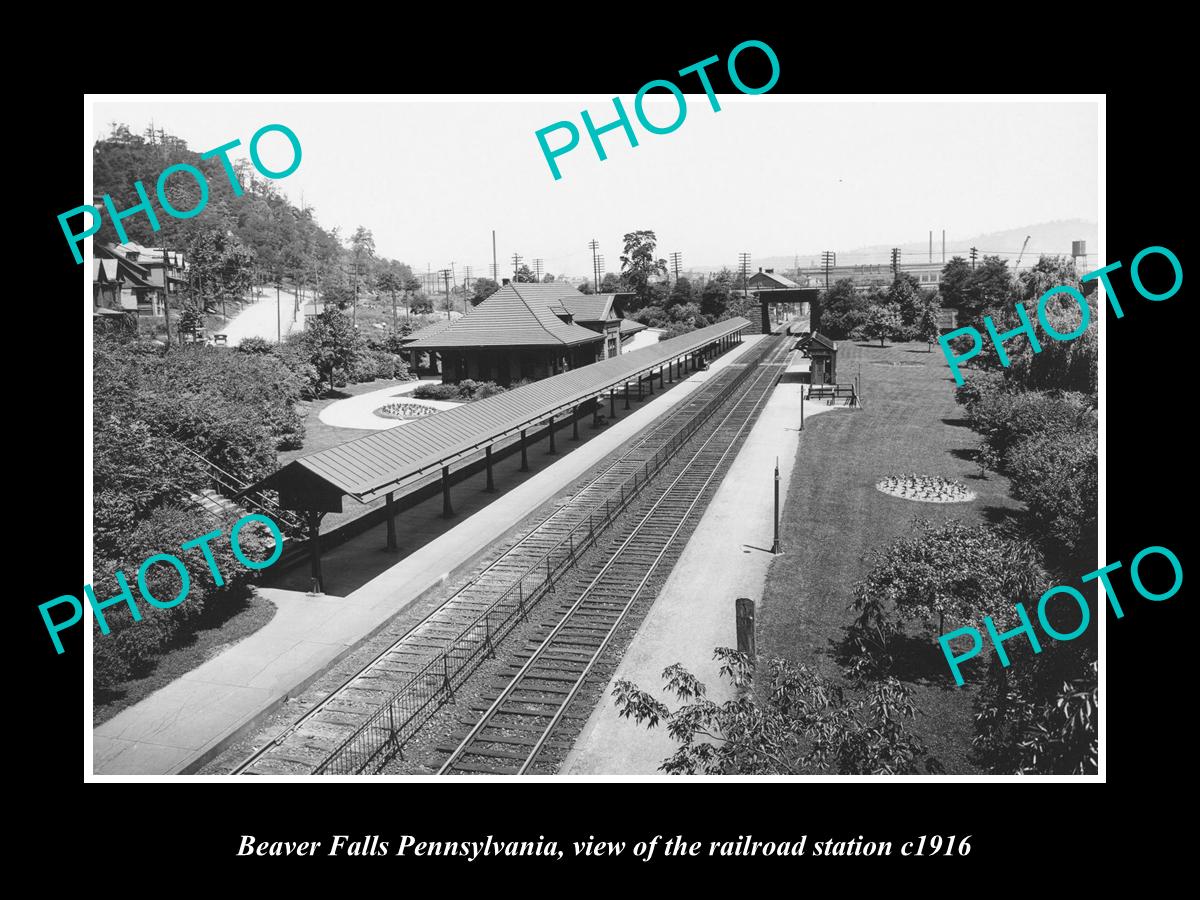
{"points": [[744, 267], [676, 259]]}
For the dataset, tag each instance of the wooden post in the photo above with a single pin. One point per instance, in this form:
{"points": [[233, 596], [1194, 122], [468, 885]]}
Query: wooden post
{"points": [[660, 376], [491, 484], [670, 378], [314, 551], [650, 382], [745, 627], [627, 395], [447, 509], [596, 404], [391, 523], [612, 403], [640, 379], [553, 449], [524, 453], [575, 422]]}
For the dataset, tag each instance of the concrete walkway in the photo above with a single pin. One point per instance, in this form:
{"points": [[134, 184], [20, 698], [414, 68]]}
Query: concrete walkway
{"points": [[359, 412], [188, 721], [727, 557]]}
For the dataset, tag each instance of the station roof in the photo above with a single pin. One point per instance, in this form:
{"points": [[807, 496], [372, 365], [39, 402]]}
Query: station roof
{"points": [[368, 467], [517, 315]]}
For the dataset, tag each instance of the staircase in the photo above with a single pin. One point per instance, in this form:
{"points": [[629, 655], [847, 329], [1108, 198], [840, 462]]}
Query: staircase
{"points": [[216, 501]]}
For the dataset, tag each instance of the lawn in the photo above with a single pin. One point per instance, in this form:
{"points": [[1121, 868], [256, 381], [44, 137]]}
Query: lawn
{"points": [[834, 516]]}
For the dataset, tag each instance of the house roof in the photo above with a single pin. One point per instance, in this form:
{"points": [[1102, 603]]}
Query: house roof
{"points": [[628, 326], [104, 269], [817, 338], [517, 315], [779, 280]]}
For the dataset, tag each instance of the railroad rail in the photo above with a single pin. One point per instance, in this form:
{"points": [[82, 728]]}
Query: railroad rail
{"points": [[378, 708], [514, 729]]}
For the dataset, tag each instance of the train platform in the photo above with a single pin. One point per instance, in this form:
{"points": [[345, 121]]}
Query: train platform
{"points": [[186, 723], [727, 557]]}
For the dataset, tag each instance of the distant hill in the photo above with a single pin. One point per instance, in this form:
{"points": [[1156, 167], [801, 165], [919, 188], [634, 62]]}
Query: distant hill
{"points": [[1044, 238]]}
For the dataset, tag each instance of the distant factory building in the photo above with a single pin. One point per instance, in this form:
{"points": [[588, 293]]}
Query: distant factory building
{"points": [[524, 331]]}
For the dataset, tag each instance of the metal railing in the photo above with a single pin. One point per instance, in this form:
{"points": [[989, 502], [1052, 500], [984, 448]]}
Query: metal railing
{"points": [[410, 706], [231, 486]]}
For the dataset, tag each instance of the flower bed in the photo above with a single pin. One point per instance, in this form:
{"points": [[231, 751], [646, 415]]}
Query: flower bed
{"points": [[405, 411], [925, 489]]}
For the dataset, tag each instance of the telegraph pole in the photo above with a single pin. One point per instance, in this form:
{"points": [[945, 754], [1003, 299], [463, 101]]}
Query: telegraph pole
{"points": [[594, 246], [445, 273], [599, 271], [537, 268], [828, 259], [516, 264], [895, 261], [466, 285], [974, 254], [675, 260], [744, 266]]}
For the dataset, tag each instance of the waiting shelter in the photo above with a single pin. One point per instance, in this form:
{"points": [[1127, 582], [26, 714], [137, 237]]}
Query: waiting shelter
{"points": [[410, 463]]}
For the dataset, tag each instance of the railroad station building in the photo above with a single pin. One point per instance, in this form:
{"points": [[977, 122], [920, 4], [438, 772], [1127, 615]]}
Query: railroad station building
{"points": [[525, 331]]}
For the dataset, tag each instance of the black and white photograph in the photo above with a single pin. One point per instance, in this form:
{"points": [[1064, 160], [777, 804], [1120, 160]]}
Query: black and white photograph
{"points": [[589, 438]]}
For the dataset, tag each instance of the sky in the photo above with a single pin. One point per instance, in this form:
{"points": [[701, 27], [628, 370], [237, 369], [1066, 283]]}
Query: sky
{"points": [[769, 175]]}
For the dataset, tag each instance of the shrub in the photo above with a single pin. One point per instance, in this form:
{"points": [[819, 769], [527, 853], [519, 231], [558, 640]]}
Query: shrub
{"points": [[131, 646], [1003, 418], [255, 345], [436, 392], [1056, 475]]}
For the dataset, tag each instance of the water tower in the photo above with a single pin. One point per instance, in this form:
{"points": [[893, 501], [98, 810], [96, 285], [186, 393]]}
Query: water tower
{"points": [[1079, 255]]}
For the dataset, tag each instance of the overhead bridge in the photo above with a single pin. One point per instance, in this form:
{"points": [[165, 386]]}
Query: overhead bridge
{"points": [[409, 463]]}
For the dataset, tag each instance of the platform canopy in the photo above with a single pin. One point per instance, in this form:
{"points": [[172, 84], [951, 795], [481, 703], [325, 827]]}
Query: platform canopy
{"points": [[369, 467]]}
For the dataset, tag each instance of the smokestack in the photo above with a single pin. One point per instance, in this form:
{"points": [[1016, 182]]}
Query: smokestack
{"points": [[505, 281]]}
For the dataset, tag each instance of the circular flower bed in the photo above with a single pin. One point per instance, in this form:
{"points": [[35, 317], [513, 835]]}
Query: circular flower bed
{"points": [[925, 489], [404, 411]]}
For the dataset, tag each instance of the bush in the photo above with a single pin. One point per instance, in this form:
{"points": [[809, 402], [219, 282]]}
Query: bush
{"points": [[131, 646], [465, 391], [1056, 475], [1003, 418], [255, 345]]}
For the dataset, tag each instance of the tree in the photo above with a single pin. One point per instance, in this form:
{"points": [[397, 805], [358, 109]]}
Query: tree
{"points": [[927, 323], [882, 321], [362, 245], [390, 282], [989, 289], [1055, 474], [805, 724], [682, 293], [484, 288], [956, 276], [843, 308], [638, 263], [547, 278], [585, 288], [331, 343], [524, 275], [905, 295], [611, 284], [717, 293], [947, 571]]}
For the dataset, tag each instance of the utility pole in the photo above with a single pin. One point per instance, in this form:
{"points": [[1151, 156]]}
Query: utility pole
{"points": [[599, 271], [516, 264], [828, 260], [537, 268], [775, 548], [895, 261], [974, 253], [744, 267], [445, 273], [466, 287], [594, 246], [675, 260]]}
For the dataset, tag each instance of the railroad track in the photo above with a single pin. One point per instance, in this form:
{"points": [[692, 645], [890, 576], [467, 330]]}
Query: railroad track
{"points": [[497, 593], [521, 719]]}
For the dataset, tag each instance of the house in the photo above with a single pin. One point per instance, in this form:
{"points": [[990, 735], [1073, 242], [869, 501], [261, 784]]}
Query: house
{"points": [[524, 331], [767, 279], [121, 284]]}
